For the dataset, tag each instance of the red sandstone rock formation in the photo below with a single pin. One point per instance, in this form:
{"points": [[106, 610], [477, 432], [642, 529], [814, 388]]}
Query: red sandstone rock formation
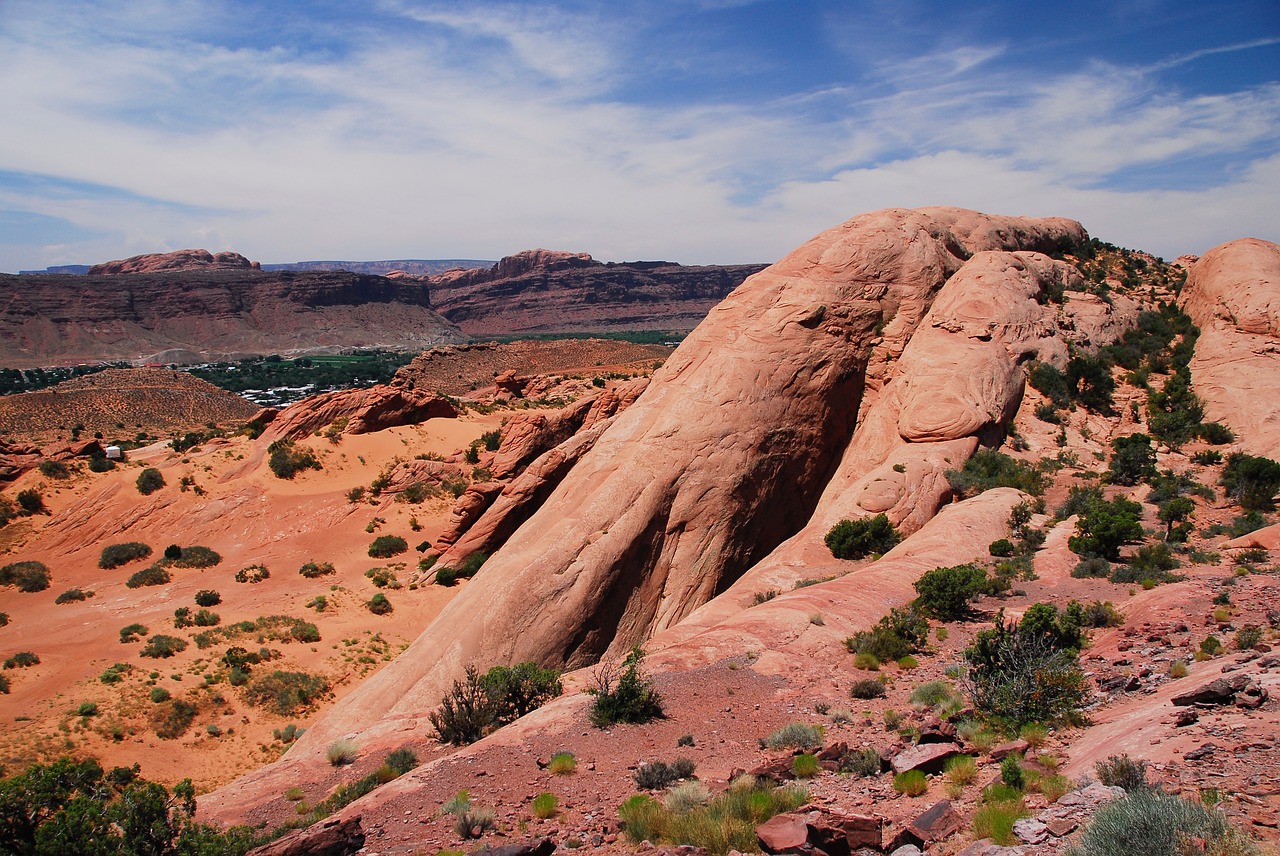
{"points": [[365, 410], [731, 447], [194, 315], [1233, 294], [175, 261], [540, 291]]}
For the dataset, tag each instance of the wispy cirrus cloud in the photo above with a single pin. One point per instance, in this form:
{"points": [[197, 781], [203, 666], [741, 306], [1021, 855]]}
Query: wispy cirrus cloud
{"points": [[413, 128]]}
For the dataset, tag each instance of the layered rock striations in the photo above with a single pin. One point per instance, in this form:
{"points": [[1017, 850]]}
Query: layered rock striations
{"points": [[733, 447], [196, 315], [544, 291], [1233, 295]]}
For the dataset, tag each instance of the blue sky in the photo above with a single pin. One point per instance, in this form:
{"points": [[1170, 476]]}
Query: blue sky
{"points": [[703, 131]]}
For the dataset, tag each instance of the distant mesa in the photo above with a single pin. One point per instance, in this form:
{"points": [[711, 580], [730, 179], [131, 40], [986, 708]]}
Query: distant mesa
{"points": [[179, 260], [538, 292]]}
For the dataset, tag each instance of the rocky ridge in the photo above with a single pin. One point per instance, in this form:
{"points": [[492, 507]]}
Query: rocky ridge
{"points": [[546, 291], [210, 313]]}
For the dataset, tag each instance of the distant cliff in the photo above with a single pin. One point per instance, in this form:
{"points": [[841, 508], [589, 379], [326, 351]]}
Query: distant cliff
{"points": [[543, 291], [197, 315]]}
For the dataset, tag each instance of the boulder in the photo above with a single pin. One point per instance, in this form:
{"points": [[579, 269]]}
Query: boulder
{"points": [[927, 757], [1009, 747], [532, 847], [365, 411], [835, 833], [783, 833], [330, 837], [932, 825], [1219, 691]]}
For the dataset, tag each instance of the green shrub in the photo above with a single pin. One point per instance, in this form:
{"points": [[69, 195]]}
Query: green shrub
{"points": [[1174, 412], [380, 605], [195, 556], [562, 764], [402, 760], [252, 574], [913, 783], [480, 703], [131, 633], [465, 713], [1121, 771], [1151, 562], [311, 570], [446, 576], [182, 617], [989, 468], [53, 469], [149, 481], [656, 775], [1093, 567], [1104, 527], [1207, 458], [22, 660], [115, 555], [286, 693], [1028, 672], [342, 752], [855, 539], [208, 597], [932, 694], [1101, 614], [162, 647], [153, 575], [287, 460], [159, 694], [1011, 772], [545, 806], [171, 719], [867, 688], [1248, 637], [514, 691], [101, 464], [861, 762], [1151, 821], [382, 578], [114, 674], [72, 595], [961, 770], [945, 593], [796, 735], [623, 696], [1211, 645], [87, 708], [205, 618], [472, 563], [1251, 481], [896, 635], [1002, 548], [29, 576], [1216, 434], [996, 817], [1133, 461], [805, 766], [386, 546], [72, 807], [727, 822]]}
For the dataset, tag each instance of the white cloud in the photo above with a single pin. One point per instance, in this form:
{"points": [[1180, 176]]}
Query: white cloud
{"points": [[397, 147]]}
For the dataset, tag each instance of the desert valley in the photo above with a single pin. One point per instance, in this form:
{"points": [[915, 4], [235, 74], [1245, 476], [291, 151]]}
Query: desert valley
{"points": [[949, 532]]}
